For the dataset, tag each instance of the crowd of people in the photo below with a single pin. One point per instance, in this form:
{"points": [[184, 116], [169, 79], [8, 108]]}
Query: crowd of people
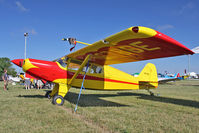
{"points": [[37, 84], [28, 83]]}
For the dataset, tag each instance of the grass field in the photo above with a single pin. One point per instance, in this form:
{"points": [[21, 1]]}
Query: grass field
{"points": [[175, 109]]}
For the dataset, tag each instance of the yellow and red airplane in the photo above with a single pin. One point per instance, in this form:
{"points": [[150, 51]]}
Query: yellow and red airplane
{"points": [[133, 44]]}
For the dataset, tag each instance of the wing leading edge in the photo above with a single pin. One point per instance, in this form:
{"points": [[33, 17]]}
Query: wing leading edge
{"points": [[130, 45]]}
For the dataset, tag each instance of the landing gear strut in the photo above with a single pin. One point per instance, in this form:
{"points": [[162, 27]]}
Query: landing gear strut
{"points": [[47, 95], [151, 93], [58, 93]]}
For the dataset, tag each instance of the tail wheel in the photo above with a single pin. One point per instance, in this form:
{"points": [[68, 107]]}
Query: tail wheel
{"points": [[58, 100], [48, 94]]}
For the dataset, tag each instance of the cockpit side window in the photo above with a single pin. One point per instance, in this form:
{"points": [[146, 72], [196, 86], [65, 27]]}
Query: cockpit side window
{"points": [[75, 65], [84, 68], [95, 69]]}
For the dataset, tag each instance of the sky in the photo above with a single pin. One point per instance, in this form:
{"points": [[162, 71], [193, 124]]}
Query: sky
{"points": [[48, 21]]}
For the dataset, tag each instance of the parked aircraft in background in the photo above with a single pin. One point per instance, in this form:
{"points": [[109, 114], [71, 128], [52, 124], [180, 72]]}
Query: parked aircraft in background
{"points": [[14, 79], [168, 77], [193, 75]]}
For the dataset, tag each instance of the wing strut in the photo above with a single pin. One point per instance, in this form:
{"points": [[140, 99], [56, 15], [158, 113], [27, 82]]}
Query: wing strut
{"points": [[86, 60], [80, 69]]}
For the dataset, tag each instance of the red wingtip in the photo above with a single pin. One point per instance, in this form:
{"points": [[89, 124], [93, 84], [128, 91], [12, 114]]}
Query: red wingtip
{"points": [[18, 62]]}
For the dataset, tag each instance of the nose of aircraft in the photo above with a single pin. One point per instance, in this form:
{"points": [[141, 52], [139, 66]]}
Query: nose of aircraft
{"points": [[18, 62]]}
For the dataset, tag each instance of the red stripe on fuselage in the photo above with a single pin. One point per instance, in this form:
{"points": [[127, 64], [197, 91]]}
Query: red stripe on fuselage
{"points": [[80, 76], [117, 81]]}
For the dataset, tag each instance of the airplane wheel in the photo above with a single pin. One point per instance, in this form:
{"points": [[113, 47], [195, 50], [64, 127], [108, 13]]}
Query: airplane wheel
{"points": [[47, 94], [58, 100]]}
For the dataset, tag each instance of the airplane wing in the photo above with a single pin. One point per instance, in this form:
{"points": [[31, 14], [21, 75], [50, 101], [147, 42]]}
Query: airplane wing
{"points": [[130, 45]]}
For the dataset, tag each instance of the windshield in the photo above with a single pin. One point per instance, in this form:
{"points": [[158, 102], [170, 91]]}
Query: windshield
{"points": [[62, 62]]}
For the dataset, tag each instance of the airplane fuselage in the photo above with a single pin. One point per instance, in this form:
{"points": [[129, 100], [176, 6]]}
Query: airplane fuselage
{"points": [[97, 77]]}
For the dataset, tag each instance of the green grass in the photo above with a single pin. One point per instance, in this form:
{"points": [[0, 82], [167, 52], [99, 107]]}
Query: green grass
{"points": [[176, 109]]}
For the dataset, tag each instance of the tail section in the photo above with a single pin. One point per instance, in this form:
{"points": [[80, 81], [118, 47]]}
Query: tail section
{"points": [[148, 78], [178, 75], [175, 75]]}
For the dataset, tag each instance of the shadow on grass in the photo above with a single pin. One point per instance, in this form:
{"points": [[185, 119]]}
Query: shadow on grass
{"points": [[189, 85], [87, 100], [32, 96], [183, 102]]}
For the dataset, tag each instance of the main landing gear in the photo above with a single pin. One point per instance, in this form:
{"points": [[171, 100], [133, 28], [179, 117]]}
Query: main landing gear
{"points": [[58, 93], [58, 100]]}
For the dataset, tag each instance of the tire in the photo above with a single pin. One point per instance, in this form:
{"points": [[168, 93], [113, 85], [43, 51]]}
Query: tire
{"points": [[58, 100], [47, 94]]}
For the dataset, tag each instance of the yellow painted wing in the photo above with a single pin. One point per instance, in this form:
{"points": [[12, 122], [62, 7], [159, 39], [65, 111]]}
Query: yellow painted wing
{"points": [[130, 45]]}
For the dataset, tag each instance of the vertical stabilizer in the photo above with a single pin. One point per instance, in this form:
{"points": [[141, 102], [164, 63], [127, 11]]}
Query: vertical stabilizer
{"points": [[148, 78]]}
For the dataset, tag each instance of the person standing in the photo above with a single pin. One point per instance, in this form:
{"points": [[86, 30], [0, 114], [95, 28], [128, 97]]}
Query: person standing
{"points": [[27, 83], [5, 79], [39, 84]]}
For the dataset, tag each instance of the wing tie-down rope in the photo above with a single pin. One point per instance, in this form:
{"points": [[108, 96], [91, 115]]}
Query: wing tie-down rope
{"points": [[82, 86]]}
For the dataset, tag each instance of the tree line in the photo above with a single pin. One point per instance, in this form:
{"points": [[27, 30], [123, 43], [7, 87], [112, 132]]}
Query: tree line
{"points": [[5, 63]]}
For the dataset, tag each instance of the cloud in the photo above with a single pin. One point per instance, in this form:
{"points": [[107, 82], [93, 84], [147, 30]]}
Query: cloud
{"points": [[165, 27], [186, 7], [20, 32], [32, 31], [21, 7]]}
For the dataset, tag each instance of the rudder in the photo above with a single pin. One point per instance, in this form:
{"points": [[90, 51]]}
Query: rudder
{"points": [[148, 78]]}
